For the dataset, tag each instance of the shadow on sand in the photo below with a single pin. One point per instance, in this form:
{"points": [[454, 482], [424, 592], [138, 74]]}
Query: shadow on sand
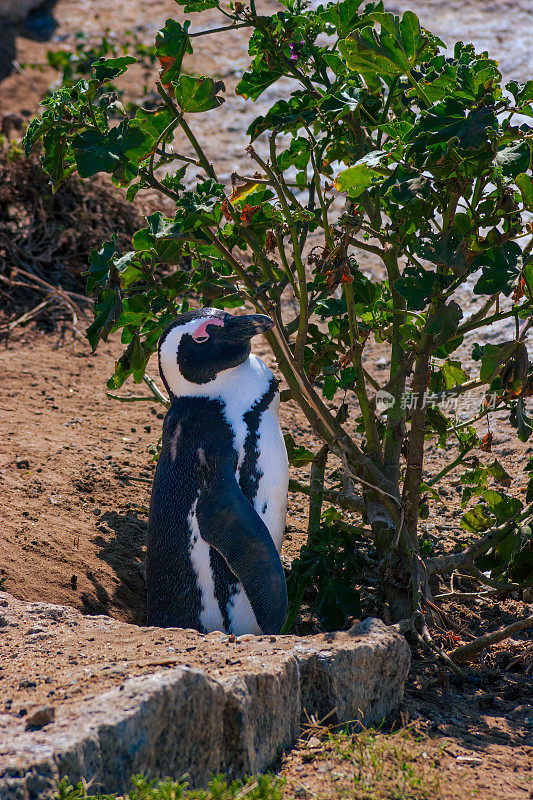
{"points": [[121, 543]]}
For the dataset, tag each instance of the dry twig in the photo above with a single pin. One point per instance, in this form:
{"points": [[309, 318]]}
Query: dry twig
{"points": [[467, 651]]}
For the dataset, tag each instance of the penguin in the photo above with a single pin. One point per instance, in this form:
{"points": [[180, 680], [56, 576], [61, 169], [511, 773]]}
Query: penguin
{"points": [[219, 496]]}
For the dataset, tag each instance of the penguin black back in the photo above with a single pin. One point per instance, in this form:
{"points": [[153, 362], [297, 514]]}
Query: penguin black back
{"points": [[175, 598]]}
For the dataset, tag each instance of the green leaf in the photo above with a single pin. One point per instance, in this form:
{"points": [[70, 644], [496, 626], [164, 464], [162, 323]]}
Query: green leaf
{"points": [[444, 322], [447, 249], [520, 420], [330, 386], [153, 122], [254, 83], [105, 69], [356, 179], [135, 310], [393, 51], [301, 108], [57, 160], [297, 454], [100, 263], [36, 130], [448, 125], [425, 489], [133, 360], [522, 92], [449, 347], [477, 520], [343, 15], [417, 285], [529, 490], [364, 290], [348, 377], [513, 160], [495, 357], [121, 149], [528, 277], [436, 420], [501, 269], [197, 94], [499, 473], [525, 184], [171, 43], [197, 6], [344, 100], [130, 270], [331, 307], [107, 315], [195, 208], [453, 374], [502, 506], [144, 239]]}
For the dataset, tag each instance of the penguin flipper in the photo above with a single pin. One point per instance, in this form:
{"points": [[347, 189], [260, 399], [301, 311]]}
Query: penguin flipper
{"points": [[229, 523]]}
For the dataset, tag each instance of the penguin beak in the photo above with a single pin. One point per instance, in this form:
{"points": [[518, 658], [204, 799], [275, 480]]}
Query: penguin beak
{"points": [[241, 329]]}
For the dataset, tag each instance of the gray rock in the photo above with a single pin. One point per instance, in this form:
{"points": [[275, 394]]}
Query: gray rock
{"points": [[361, 675], [40, 717], [182, 720]]}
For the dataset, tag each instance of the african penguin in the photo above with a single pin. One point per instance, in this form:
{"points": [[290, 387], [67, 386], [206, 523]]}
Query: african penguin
{"points": [[219, 498]]}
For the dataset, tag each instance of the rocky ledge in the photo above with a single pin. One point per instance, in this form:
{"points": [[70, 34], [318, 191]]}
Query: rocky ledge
{"points": [[95, 698]]}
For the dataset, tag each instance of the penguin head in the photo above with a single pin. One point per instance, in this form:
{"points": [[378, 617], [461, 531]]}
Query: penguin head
{"points": [[200, 344]]}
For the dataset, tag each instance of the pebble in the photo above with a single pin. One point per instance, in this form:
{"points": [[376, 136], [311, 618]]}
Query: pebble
{"points": [[40, 717]]}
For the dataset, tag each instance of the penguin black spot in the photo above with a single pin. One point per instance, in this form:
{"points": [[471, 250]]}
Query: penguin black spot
{"points": [[265, 506], [250, 474]]}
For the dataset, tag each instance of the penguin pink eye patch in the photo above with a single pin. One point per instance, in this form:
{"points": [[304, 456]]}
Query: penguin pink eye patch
{"points": [[201, 334]]}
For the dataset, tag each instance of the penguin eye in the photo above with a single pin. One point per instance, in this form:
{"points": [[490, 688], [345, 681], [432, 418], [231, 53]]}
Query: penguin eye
{"points": [[201, 339]]}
